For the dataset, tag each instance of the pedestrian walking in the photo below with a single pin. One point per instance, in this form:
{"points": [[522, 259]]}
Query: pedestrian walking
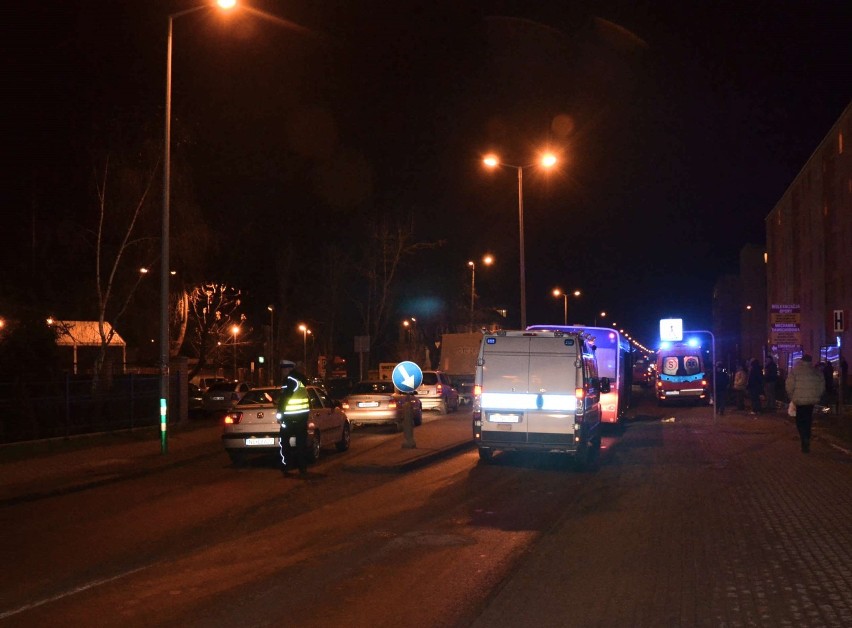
{"points": [[770, 382], [723, 380], [755, 385], [740, 381], [805, 386]]}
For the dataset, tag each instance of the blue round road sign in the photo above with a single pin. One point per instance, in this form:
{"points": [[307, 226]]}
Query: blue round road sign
{"points": [[407, 376]]}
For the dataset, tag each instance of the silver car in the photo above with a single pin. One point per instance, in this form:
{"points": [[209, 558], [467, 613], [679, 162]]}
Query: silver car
{"points": [[251, 427], [377, 402], [436, 392]]}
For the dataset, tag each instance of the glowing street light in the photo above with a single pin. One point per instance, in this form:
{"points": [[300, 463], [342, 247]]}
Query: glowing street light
{"points": [[487, 259], [558, 292], [235, 329], [164, 236], [305, 331], [547, 160]]}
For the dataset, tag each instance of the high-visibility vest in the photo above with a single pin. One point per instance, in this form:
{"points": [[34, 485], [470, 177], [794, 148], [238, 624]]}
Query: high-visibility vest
{"points": [[294, 398]]}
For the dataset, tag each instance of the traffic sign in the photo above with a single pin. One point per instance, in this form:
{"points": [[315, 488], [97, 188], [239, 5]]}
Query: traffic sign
{"points": [[838, 321], [407, 376]]}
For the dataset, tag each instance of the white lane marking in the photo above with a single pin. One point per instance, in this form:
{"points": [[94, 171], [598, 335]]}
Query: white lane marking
{"points": [[74, 591]]}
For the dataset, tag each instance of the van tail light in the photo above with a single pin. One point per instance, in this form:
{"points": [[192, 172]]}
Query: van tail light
{"points": [[580, 393], [232, 418], [477, 390]]}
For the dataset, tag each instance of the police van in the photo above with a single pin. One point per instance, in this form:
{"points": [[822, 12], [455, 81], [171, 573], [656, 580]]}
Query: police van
{"points": [[537, 391]]}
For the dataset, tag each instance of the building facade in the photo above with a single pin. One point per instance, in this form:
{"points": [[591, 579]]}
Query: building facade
{"points": [[809, 247]]}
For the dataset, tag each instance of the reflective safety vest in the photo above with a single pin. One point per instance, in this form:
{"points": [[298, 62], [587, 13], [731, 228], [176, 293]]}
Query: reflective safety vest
{"points": [[294, 399]]}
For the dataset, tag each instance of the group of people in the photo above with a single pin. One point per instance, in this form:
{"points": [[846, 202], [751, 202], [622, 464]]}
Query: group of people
{"points": [[804, 385], [749, 380]]}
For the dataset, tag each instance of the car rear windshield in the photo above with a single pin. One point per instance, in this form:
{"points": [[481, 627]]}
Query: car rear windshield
{"points": [[222, 387], [430, 379], [367, 388]]}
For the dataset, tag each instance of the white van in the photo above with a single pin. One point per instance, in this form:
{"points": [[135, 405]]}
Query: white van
{"points": [[538, 391]]}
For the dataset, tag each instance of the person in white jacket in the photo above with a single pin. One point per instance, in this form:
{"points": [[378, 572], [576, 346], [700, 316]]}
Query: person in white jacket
{"points": [[805, 386]]}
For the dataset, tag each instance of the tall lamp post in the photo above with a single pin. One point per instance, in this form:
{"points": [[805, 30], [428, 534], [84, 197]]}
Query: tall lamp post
{"points": [[487, 260], [548, 160], [272, 365], [164, 236], [305, 331], [235, 329], [558, 292]]}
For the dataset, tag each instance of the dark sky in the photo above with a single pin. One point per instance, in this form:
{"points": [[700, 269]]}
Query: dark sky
{"points": [[679, 126]]}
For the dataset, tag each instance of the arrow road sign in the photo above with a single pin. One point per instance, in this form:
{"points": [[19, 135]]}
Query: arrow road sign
{"points": [[407, 376]]}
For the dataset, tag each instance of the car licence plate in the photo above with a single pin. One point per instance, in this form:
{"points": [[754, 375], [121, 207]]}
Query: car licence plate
{"points": [[504, 418], [368, 404], [254, 442], [672, 392]]}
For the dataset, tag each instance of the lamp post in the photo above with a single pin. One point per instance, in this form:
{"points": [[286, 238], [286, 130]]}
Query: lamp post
{"points": [[558, 292], [487, 260], [602, 315], [164, 235], [272, 365], [305, 331], [235, 329], [548, 160]]}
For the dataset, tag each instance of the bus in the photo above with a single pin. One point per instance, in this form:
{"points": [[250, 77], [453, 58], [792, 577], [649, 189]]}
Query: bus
{"points": [[682, 373], [614, 361]]}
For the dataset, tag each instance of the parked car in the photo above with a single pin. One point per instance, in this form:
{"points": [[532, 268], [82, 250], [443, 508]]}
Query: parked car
{"points": [[251, 427], [205, 382], [377, 402], [222, 395], [436, 392], [194, 400]]}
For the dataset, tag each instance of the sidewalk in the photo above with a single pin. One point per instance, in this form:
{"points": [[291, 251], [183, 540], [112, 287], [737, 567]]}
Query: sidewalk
{"points": [[33, 470]]}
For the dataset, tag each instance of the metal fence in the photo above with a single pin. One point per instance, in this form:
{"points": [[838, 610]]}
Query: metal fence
{"points": [[68, 407]]}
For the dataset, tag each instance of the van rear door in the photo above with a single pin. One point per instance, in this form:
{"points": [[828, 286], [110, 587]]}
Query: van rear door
{"points": [[552, 377], [528, 388]]}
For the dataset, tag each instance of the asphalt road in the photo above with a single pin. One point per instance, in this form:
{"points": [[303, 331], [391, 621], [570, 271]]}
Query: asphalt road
{"points": [[690, 522]]}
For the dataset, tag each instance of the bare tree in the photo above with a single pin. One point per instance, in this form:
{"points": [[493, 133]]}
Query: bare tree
{"points": [[110, 266], [386, 248], [213, 308]]}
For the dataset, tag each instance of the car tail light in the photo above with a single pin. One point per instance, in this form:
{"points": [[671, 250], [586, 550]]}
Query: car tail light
{"points": [[232, 418], [439, 388], [391, 404], [344, 404]]}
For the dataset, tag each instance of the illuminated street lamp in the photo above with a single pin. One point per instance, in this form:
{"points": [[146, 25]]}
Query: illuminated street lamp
{"points": [[558, 292], [272, 365], [164, 236], [487, 260], [235, 329], [602, 315], [305, 331], [547, 160]]}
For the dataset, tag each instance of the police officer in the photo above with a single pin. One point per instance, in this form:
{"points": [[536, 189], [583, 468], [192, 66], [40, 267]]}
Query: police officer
{"points": [[292, 415]]}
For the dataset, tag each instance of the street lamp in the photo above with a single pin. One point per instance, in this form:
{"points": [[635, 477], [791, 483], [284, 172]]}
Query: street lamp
{"points": [[602, 315], [235, 329], [547, 160], [272, 365], [487, 260], [305, 331], [557, 292], [164, 235]]}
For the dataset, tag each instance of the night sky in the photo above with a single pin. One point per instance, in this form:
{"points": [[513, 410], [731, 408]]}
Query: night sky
{"points": [[679, 125]]}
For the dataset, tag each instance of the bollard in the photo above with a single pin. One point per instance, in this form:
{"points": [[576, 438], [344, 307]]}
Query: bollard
{"points": [[408, 426]]}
